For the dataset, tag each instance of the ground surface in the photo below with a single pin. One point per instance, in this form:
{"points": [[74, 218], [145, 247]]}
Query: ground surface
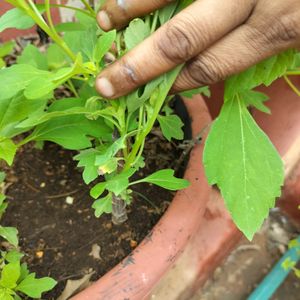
{"points": [[51, 207], [250, 262]]}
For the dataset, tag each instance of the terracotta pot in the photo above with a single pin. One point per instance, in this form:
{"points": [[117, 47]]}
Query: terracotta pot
{"points": [[197, 233]]}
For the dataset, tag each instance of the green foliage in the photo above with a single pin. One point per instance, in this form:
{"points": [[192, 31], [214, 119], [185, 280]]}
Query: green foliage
{"points": [[110, 135], [171, 127], [241, 160], [15, 18]]}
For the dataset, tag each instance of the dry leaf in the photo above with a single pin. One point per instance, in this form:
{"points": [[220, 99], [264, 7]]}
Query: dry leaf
{"points": [[75, 286], [95, 253]]}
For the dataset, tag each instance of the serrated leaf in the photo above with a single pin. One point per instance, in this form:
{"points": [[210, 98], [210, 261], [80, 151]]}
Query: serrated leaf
{"points": [[135, 33], [263, 73], [7, 150], [204, 90], [34, 287], [242, 161], [120, 182], [10, 275], [86, 159], [255, 99], [103, 205], [15, 18], [171, 127], [166, 179], [103, 45], [98, 190]]}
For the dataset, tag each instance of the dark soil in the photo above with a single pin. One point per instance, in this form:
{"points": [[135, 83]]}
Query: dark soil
{"points": [[58, 237]]}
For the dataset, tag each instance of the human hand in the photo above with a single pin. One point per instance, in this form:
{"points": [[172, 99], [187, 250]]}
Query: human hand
{"points": [[215, 39]]}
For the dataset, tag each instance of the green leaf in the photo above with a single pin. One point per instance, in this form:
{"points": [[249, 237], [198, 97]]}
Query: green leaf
{"points": [[7, 48], [10, 234], [111, 151], [69, 26], [24, 272], [166, 179], [17, 77], [6, 294], [135, 33], [15, 109], [166, 13], [242, 161], [263, 73], [204, 90], [7, 150], [288, 264], [34, 287], [98, 190], [103, 205], [2, 176], [13, 256], [255, 99], [87, 159], [135, 100], [15, 18], [56, 58], [88, 41], [71, 132], [103, 45], [31, 55], [171, 127], [10, 275], [120, 182]]}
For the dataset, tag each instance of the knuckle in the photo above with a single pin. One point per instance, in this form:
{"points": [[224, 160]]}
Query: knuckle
{"points": [[282, 30], [205, 69], [177, 43]]}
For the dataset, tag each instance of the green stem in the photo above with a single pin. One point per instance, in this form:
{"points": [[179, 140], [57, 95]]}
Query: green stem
{"points": [[154, 22], [159, 102], [88, 7], [291, 85], [71, 87], [49, 17], [292, 73], [74, 8]]}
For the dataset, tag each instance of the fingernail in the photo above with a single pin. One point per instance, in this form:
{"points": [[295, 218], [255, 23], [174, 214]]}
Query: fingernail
{"points": [[104, 87], [104, 20]]}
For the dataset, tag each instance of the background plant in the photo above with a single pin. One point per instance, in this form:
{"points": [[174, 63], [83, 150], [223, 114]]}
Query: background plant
{"points": [[110, 135], [15, 280]]}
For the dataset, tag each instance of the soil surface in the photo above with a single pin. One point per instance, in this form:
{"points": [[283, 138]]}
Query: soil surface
{"points": [[249, 263], [51, 207]]}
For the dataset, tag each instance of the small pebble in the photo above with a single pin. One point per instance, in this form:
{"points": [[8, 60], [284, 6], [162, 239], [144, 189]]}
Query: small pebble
{"points": [[69, 200]]}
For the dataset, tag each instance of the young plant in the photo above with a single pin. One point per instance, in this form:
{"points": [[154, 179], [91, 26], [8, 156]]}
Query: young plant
{"points": [[15, 279], [110, 135]]}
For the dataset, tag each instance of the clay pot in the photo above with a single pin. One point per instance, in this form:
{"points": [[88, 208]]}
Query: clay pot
{"points": [[196, 233]]}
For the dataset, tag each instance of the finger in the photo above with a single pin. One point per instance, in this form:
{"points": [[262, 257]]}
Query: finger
{"points": [[118, 13], [241, 49], [186, 35]]}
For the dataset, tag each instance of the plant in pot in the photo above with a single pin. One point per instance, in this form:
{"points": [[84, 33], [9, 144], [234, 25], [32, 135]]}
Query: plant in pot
{"points": [[110, 135]]}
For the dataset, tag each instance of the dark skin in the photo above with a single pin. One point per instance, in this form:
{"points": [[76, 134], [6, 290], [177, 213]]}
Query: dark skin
{"points": [[213, 38]]}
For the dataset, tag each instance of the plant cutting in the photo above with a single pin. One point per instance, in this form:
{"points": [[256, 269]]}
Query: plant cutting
{"points": [[110, 135]]}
